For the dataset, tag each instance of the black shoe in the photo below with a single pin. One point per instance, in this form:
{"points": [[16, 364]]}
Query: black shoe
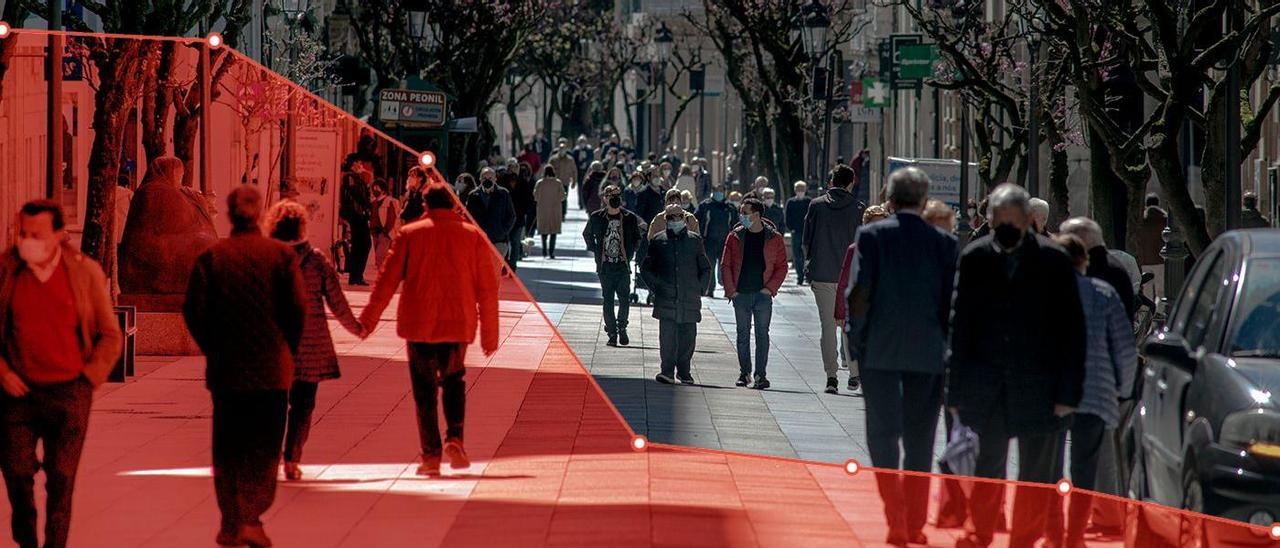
{"points": [[664, 378], [832, 386], [761, 383], [623, 339], [686, 379], [743, 380], [613, 340], [855, 383]]}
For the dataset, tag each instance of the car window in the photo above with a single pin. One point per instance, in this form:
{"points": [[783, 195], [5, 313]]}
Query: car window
{"points": [[1258, 314], [1186, 300], [1206, 303]]}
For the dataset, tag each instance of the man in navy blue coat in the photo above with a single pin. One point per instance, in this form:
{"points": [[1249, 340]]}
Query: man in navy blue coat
{"points": [[899, 306]]}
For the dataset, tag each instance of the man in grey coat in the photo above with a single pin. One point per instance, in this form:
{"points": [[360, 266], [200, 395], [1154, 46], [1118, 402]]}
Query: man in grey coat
{"points": [[905, 272], [676, 269]]}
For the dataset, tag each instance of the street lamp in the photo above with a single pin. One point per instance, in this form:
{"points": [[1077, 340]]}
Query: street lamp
{"points": [[419, 29], [663, 39], [814, 22]]}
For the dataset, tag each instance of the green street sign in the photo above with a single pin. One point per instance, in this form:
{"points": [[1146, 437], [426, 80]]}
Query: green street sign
{"points": [[875, 93], [915, 61]]}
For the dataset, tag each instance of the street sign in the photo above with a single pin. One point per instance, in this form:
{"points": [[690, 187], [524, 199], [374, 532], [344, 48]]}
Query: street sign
{"points": [[412, 108], [859, 114], [897, 80], [944, 176], [885, 51], [855, 92], [875, 93], [916, 61]]}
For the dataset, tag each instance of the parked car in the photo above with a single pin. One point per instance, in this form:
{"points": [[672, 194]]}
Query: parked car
{"points": [[1207, 426]]}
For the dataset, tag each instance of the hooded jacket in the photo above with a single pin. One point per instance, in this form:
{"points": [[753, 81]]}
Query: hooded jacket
{"points": [[829, 228]]}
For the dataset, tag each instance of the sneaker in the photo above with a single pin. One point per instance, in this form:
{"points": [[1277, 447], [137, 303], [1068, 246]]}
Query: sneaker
{"points": [[292, 471], [430, 466], [742, 380], [613, 340], [664, 378], [832, 386], [761, 383], [855, 383], [457, 457], [686, 379], [623, 339]]}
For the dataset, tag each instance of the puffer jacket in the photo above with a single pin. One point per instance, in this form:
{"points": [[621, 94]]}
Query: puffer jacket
{"points": [[775, 260], [676, 269]]}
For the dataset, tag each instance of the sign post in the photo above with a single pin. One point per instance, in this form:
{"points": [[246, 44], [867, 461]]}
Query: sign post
{"points": [[411, 108]]}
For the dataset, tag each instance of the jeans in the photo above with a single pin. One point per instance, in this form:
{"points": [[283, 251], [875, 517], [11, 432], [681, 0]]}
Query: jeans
{"points": [[248, 428], [797, 256], [361, 242], [833, 345], [59, 415], [902, 407], [615, 284], [754, 307], [1039, 461], [302, 402], [429, 364], [1087, 435], [676, 342]]}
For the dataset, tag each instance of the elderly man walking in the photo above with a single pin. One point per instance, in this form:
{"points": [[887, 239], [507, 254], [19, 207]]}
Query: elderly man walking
{"points": [[905, 270], [676, 269], [245, 307], [58, 340], [450, 282], [1017, 361]]}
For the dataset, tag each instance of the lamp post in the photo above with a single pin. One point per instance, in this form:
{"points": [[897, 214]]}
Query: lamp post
{"points": [[419, 30], [53, 180], [663, 39], [815, 21]]}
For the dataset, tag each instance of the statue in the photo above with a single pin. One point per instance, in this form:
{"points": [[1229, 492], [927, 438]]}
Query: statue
{"points": [[168, 226]]}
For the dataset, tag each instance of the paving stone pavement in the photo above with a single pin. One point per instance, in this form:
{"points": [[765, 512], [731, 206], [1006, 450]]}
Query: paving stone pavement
{"points": [[794, 418]]}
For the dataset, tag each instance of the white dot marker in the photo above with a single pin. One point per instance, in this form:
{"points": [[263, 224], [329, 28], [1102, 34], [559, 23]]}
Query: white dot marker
{"points": [[851, 467], [1275, 531], [427, 159], [638, 443], [214, 39], [4, 29], [1064, 487]]}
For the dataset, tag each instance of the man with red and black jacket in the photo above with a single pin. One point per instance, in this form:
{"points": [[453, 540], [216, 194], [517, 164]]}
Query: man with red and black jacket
{"points": [[752, 268]]}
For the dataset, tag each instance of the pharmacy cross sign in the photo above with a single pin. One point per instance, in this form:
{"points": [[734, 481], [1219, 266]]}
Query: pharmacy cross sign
{"points": [[876, 94]]}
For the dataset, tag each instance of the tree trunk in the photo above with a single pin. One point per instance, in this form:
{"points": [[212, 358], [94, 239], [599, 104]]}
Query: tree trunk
{"points": [[157, 101], [1101, 179], [1166, 162]]}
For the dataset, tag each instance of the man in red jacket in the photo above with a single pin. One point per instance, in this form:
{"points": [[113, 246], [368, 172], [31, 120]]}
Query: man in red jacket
{"points": [[752, 268], [450, 275]]}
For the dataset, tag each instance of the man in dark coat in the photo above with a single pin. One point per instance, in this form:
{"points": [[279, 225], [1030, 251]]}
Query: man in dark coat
{"points": [[1102, 264], [1250, 217], [905, 271], [245, 308], [613, 234], [491, 207], [676, 269], [796, 209], [716, 219], [829, 228], [355, 206], [1017, 361], [772, 211]]}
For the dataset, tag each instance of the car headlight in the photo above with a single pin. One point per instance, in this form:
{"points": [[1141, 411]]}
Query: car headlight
{"points": [[1255, 430]]}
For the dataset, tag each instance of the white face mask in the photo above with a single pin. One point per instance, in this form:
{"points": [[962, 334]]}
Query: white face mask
{"points": [[768, 202], [36, 251]]}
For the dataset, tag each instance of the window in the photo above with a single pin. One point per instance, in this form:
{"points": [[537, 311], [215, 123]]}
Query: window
{"points": [[1258, 314], [1206, 303]]}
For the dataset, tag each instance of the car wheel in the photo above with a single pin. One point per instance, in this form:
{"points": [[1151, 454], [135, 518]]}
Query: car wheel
{"points": [[1192, 533]]}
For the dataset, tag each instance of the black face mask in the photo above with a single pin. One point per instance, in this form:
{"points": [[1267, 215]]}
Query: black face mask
{"points": [[487, 183], [1007, 235], [615, 202]]}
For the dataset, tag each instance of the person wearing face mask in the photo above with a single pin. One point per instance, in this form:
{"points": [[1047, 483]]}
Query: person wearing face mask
{"points": [[566, 169], [796, 209], [667, 175], [687, 201], [491, 207], [651, 199], [735, 199], [412, 207], [686, 180], [631, 194], [659, 223], [676, 269], [716, 216], [613, 234], [1017, 363], [548, 193], [589, 191], [58, 340], [829, 228], [356, 208], [384, 222], [703, 177], [772, 211], [754, 266]]}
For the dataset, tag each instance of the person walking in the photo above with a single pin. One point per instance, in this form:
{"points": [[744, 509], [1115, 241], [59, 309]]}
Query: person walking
{"points": [[829, 228], [716, 217], [1111, 364], [659, 223], [315, 360], [355, 208], [1250, 217], [903, 283], [589, 189], [59, 339], [491, 207], [754, 266], [1016, 368], [384, 221], [437, 315], [1103, 265], [1040, 216], [795, 211], [246, 309], [676, 269], [566, 170], [686, 180], [1150, 241], [849, 268], [549, 194], [772, 211], [411, 205], [612, 235]]}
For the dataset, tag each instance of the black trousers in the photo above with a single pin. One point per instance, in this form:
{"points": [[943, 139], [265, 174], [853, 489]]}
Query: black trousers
{"points": [[902, 408], [1039, 461], [361, 243], [302, 403], [615, 286], [549, 249], [713, 255], [1087, 434], [248, 428], [676, 342], [429, 364], [58, 415]]}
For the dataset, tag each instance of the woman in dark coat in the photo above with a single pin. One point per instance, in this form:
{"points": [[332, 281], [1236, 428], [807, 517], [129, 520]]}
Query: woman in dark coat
{"points": [[315, 360]]}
